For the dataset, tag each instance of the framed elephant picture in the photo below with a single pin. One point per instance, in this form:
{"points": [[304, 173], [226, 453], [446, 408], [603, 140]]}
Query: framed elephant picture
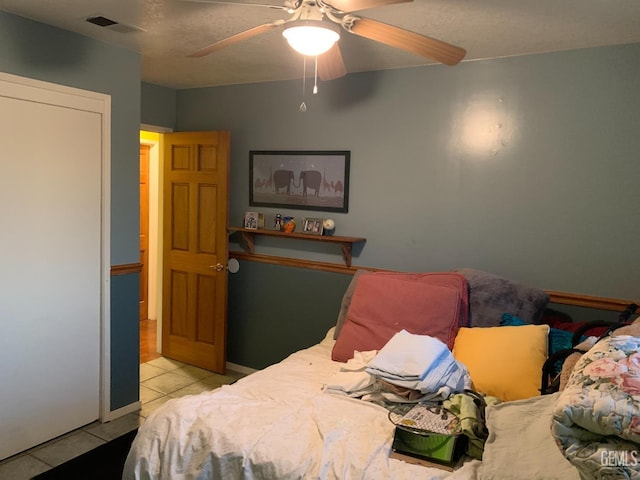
{"points": [[305, 180]]}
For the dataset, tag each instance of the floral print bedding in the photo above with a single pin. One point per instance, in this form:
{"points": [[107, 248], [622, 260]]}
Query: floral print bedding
{"points": [[596, 419]]}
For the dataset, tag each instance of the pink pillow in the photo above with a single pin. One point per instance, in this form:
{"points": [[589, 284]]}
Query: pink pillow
{"points": [[385, 303], [446, 279], [451, 279]]}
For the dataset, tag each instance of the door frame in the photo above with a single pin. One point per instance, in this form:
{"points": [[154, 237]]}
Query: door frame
{"points": [[155, 201], [101, 104], [145, 164]]}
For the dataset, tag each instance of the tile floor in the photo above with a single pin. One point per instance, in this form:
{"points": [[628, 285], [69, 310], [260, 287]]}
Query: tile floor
{"points": [[160, 380]]}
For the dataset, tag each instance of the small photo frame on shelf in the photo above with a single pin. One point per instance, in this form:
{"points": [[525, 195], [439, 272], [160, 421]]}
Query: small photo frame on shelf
{"points": [[312, 226], [251, 220]]}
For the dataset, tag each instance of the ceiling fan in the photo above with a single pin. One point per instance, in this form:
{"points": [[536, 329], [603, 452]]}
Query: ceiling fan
{"points": [[322, 19]]}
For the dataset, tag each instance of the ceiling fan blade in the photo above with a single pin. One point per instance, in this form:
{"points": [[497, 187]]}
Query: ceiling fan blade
{"points": [[238, 37], [353, 5], [245, 4], [410, 41], [331, 65]]}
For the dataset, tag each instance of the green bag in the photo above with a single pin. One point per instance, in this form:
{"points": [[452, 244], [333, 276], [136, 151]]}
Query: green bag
{"points": [[427, 434]]}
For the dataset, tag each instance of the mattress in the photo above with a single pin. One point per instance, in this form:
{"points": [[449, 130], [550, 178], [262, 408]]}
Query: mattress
{"points": [[278, 423]]}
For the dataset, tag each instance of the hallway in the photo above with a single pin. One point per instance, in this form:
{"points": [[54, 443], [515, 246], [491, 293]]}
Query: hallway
{"points": [[148, 340]]}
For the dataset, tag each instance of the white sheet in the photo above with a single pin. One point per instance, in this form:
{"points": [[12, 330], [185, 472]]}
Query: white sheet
{"points": [[278, 424]]}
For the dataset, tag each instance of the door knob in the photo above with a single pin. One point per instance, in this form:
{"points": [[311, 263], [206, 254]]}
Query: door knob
{"points": [[233, 266]]}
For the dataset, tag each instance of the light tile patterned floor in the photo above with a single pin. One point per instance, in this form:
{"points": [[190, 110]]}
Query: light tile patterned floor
{"points": [[160, 380]]}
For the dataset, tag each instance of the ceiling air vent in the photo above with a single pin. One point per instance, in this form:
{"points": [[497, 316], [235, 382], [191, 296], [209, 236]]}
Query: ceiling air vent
{"points": [[109, 24], [101, 21]]}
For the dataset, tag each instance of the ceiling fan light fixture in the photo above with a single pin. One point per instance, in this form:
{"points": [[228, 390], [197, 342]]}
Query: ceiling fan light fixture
{"points": [[311, 37]]}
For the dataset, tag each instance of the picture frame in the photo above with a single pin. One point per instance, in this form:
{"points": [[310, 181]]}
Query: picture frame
{"points": [[304, 180], [313, 226], [251, 220]]}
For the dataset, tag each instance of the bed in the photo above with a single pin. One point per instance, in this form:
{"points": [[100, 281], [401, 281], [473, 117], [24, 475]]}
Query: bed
{"points": [[283, 423]]}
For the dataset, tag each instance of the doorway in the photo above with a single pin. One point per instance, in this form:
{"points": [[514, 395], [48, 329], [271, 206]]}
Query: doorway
{"points": [[150, 246], [186, 247]]}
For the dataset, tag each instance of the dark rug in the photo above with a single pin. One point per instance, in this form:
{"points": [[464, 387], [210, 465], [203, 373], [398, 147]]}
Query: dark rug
{"points": [[102, 463]]}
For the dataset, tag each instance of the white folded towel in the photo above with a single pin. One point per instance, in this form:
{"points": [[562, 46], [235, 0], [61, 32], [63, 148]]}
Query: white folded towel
{"points": [[408, 357], [448, 374], [422, 363]]}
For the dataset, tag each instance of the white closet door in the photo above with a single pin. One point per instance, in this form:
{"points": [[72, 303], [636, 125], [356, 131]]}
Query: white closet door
{"points": [[50, 270]]}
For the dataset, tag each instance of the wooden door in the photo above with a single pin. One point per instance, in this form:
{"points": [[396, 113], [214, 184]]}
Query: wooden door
{"points": [[195, 248], [144, 231]]}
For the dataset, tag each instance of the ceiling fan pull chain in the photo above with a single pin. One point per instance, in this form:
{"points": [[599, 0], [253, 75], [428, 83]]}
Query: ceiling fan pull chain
{"points": [[315, 78], [303, 106]]}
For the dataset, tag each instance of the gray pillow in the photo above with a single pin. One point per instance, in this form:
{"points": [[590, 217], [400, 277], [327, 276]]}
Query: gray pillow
{"points": [[490, 296]]}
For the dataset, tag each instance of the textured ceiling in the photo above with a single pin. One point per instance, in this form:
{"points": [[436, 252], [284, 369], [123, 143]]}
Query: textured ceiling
{"points": [[165, 31]]}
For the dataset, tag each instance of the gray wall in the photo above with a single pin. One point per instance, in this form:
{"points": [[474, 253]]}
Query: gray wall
{"points": [[45, 53], [275, 310], [158, 106], [526, 167]]}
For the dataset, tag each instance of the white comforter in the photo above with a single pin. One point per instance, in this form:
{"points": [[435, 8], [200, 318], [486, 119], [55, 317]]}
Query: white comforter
{"points": [[279, 424]]}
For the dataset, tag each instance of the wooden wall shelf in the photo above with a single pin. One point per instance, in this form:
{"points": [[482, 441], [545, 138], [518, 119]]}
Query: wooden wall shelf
{"points": [[346, 243]]}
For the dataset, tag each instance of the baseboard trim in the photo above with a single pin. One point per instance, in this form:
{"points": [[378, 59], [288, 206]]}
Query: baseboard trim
{"points": [[240, 368], [121, 412]]}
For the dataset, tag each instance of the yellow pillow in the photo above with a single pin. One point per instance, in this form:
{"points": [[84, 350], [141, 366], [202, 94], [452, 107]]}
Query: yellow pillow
{"points": [[504, 362]]}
